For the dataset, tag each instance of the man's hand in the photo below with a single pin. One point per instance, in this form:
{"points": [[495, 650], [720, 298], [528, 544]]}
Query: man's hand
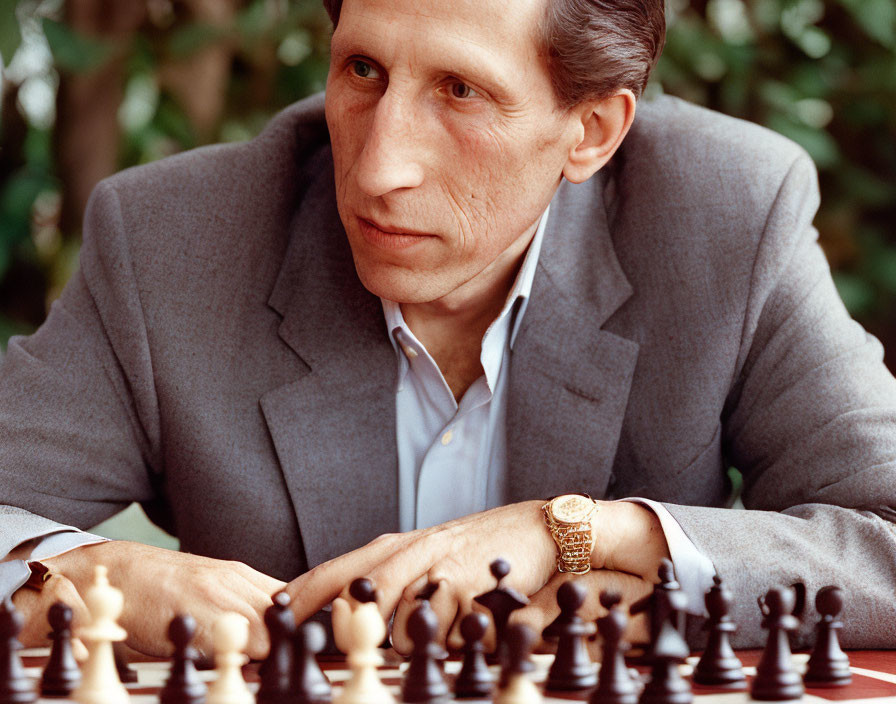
{"points": [[543, 609], [456, 557], [157, 585]]}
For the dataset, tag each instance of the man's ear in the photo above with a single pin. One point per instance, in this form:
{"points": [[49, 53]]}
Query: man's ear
{"points": [[601, 125]]}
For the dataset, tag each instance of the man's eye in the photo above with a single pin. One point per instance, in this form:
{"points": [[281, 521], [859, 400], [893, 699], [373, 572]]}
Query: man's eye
{"points": [[364, 69], [462, 90]]}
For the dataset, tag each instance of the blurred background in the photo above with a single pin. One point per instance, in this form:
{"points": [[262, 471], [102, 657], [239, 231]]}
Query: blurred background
{"points": [[94, 86]]}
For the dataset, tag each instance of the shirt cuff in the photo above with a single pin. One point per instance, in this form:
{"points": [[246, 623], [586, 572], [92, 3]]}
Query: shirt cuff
{"points": [[57, 543], [693, 570], [14, 573]]}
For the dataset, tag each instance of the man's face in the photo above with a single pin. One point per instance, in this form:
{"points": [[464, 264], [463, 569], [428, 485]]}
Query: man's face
{"points": [[447, 140]]}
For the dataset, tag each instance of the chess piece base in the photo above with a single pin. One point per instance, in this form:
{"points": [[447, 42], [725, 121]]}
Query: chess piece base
{"points": [[781, 691]]}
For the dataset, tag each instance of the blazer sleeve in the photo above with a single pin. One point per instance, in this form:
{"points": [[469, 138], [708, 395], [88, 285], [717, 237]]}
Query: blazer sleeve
{"points": [[78, 423], [811, 424]]}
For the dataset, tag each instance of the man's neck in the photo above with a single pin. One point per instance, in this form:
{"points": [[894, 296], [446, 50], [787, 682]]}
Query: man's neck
{"points": [[451, 328]]}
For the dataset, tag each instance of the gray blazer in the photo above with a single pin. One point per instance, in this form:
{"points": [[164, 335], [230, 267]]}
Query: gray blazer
{"points": [[217, 360]]}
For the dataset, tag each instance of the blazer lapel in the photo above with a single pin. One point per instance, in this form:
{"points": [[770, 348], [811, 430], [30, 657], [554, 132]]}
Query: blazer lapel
{"points": [[570, 379], [333, 428]]}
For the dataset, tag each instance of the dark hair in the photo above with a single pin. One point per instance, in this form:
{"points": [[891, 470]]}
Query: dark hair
{"points": [[594, 47]]}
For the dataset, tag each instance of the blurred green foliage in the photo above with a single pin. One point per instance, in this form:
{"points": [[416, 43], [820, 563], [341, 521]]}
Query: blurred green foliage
{"points": [[822, 72]]}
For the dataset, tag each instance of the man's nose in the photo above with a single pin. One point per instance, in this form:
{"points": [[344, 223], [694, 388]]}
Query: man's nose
{"points": [[389, 160]]}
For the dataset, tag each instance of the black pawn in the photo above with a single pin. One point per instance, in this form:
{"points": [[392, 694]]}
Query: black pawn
{"points": [[501, 601], [15, 685], [520, 641], [474, 681], [668, 650], [62, 674], [126, 673], [776, 679], [362, 590], [424, 681], [275, 672], [183, 685], [828, 664], [572, 669], [718, 665], [615, 685], [659, 609], [309, 684]]}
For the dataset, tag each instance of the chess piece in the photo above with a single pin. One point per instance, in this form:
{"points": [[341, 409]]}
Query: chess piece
{"points": [[100, 683], [516, 687], [275, 672], [656, 616], [776, 679], [828, 664], [62, 674], [614, 685], [309, 684], [572, 669], [501, 601], [667, 651], [126, 673], [719, 666], [230, 635], [15, 685], [362, 590], [366, 632], [183, 685], [474, 681], [423, 680]]}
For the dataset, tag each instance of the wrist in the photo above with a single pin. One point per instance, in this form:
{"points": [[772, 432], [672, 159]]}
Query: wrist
{"points": [[628, 537], [77, 564]]}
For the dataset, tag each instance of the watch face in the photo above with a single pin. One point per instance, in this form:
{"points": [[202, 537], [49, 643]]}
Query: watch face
{"points": [[572, 508]]}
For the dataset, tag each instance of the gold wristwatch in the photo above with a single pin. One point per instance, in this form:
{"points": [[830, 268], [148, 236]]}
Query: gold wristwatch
{"points": [[568, 517]]}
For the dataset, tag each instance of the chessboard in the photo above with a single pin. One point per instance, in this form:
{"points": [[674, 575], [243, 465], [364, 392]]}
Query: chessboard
{"points": [[873, 681]]}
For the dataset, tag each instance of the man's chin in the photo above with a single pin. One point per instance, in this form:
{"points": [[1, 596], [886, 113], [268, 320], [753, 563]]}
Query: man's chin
{"points": [[408, 288]]}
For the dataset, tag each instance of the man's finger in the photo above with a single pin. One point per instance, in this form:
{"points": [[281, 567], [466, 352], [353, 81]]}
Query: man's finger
{"points": [[259, 580], [318, 587], [392, 576], [444, 606]]}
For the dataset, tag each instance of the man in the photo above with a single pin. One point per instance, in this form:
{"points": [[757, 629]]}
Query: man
{"points": [[222, 355]]}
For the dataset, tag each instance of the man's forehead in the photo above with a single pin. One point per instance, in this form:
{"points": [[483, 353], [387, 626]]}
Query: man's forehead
{"points": [[489, 24]]}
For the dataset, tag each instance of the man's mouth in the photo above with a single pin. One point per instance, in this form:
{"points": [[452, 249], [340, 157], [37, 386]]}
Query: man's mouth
{"points": [[390, 236]]}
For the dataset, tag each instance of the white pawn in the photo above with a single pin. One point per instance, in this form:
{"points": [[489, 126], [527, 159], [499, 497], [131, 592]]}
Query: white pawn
{"points": [[517, 687], [230, 634], [366, 632], [100, 683]]}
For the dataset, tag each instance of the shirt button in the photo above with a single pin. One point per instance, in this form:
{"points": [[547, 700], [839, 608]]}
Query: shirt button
{"points": [[447, 437], [409, 351]]}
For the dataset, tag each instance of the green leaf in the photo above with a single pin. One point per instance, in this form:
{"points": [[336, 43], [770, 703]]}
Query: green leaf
{"points": [[72, 51], [876, 17], [10, 33]]}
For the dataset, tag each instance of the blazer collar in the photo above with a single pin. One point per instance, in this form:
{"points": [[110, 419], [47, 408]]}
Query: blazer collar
{"points": [[334, 427], [570, 378]]}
